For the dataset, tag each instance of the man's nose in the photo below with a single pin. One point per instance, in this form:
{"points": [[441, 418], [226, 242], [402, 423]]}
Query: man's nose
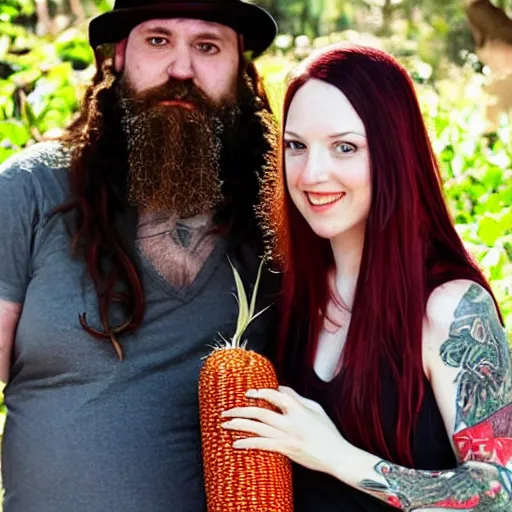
{"points": [[180, 67]]}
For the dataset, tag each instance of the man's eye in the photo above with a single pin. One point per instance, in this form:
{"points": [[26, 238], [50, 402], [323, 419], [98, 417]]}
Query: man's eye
{"points": [[293, 145], [157, 41], [344, 148], [208, 48]]}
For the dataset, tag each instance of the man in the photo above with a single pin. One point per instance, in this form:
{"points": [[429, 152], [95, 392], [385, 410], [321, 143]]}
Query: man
{"points": [[116, 243]]}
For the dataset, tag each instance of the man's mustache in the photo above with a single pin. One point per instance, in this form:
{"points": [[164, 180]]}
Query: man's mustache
{"points": [[182, 91]]}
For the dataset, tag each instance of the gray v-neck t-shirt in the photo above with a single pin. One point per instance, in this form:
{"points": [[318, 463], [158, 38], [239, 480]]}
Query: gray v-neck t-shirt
{"points": [[86, 432]]}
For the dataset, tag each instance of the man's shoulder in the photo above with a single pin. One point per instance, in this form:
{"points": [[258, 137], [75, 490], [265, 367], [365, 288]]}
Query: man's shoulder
{"points": [[40, 168], [43, 157]]}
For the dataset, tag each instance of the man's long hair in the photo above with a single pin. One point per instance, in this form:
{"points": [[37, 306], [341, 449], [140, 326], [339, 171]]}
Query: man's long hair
{"points": [[98, 183]]}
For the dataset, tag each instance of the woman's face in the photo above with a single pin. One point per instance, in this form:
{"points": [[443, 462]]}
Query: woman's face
{"points": [[327, 162]]}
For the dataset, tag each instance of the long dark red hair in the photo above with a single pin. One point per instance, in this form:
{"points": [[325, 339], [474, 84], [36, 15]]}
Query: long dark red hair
{"points": [[410, 248]]}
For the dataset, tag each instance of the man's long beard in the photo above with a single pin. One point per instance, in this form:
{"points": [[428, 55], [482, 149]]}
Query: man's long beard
{"points": [[174, 152], [98, 147]]}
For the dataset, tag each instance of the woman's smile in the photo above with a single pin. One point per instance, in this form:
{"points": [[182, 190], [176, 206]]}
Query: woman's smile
{"points": [[324, 200]]}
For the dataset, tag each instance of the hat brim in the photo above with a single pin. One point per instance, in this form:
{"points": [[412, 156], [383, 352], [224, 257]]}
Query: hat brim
{"points": [[254, 23]]}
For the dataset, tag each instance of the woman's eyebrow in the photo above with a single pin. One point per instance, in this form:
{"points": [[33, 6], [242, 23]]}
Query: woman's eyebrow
{"points": [[350, 132], [334, 135]]}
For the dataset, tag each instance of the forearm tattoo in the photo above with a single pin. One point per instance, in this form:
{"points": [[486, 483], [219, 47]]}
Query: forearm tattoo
{"points": [[478, 347], [481, 487]]}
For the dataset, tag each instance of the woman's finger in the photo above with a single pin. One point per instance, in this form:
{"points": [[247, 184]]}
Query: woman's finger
{"points": [[262, 443], [254, 427], [272, 418], [280, 400]]}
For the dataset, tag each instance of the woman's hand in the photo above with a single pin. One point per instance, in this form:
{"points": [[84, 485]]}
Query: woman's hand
{"points": [[301, 430]]}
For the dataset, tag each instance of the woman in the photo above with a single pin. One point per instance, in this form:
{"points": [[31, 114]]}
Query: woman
{"points": [[391, 338]]}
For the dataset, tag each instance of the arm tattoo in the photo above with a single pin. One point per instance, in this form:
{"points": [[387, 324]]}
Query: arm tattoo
{"points": [[478, 347], [477, 487]]}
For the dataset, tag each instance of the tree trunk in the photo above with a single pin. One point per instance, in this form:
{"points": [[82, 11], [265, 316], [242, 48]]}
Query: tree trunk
{"points": [[492, 30], [77, 10], [44, 22], [488, 23], [304, 18], [387, 17]]}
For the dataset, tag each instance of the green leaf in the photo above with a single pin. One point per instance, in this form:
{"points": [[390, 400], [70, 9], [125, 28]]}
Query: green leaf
{"points": [[25, 78], [28, 115], [52, 119], [494, 262], [489, 203], [246, 314], [493, 178], [5, 153], [489, 230], [6, 108], [7, 13], [505, 195], [255, 291], [243, 313], [60, 74], [505, 219], [14, 131]]}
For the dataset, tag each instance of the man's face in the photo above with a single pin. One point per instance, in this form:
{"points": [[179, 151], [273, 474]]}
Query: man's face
{"points": [[184, 49]]}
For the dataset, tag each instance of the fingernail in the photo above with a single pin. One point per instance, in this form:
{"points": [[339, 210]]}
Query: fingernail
{"points": [[252, 393], [225, 425]]}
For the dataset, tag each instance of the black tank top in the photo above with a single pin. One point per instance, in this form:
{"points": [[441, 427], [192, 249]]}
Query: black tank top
{"points": [[319, 492]]}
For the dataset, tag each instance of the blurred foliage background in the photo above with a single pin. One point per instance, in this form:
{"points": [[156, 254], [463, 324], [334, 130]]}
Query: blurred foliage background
{"points": [[45, 63]]}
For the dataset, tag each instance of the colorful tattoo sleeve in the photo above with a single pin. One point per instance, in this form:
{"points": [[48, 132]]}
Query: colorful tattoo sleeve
{"points": [[478, 348]]}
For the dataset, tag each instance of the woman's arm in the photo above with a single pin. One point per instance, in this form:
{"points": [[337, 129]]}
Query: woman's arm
{"points": [[467, 358], [472, 486]]}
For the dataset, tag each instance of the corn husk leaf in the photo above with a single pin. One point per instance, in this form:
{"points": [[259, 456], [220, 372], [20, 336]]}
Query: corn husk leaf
{"points": [[245, 310]]}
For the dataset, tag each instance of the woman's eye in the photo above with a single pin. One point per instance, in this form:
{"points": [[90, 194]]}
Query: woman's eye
{"points": [[344, 148], [157, 41], [208, 48], [293, 145]]}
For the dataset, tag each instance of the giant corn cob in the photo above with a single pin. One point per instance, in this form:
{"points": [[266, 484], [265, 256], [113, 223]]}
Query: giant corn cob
{"points": [[245, 480]]}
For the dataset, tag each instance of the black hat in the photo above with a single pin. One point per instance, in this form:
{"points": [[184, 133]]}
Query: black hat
{"points": [[253, 22]]}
